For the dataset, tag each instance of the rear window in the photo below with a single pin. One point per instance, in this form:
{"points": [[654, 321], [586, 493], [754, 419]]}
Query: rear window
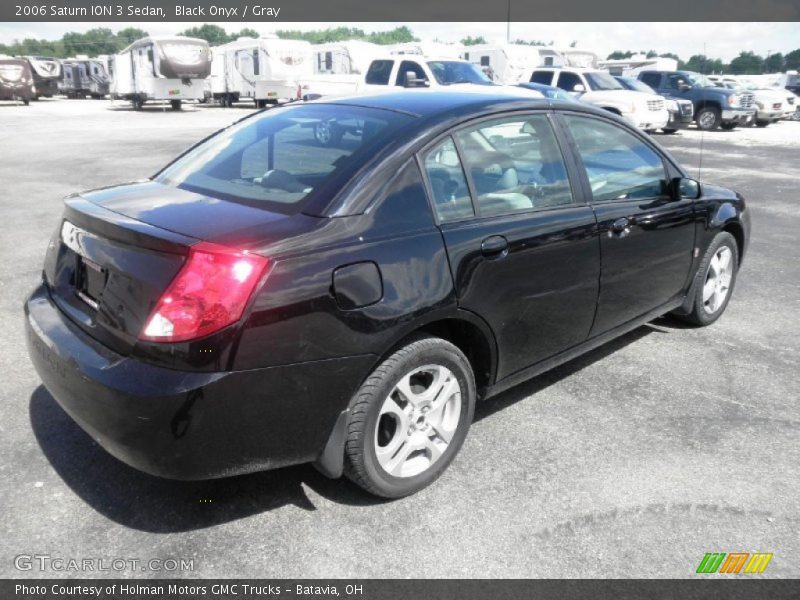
{"points": [[379, 72], [280, 160]]}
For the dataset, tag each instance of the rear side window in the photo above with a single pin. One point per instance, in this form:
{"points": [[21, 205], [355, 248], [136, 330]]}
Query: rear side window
{"points": [[515, 165], [543, 77], [282, 158], [567, 81], [618, 164], [651, 79], [379, 72], [451, 199]]}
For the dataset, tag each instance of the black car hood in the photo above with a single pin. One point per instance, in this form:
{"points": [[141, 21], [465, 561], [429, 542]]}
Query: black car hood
{"points": [[181, 211]]}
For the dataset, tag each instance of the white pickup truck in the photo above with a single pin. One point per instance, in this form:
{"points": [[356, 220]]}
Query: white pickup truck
{"points": [[646, 111], [402, 70]]}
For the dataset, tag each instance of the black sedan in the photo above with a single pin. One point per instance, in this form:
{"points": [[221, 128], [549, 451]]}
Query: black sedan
{"points": [[268, 300]]}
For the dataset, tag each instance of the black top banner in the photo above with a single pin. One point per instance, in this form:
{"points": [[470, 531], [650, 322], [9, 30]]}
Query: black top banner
{"points": [[407, 11]]}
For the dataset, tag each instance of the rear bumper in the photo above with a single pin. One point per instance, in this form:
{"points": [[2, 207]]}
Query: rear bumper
{"points": [[188, 425]]}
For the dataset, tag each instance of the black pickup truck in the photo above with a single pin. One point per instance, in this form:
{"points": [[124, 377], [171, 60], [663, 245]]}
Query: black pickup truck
{"points": [[714, 106]]}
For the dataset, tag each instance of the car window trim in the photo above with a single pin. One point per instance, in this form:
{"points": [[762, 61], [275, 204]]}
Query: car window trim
{"points": [[670, 168], [573, 170]]}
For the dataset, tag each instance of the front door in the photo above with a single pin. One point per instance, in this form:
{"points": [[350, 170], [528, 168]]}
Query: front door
{"points": [[523, 247], [646, 234]]}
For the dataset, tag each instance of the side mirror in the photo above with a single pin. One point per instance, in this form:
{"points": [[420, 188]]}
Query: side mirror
{"points": [[412, 81], [683, 86], [579, 88], [686, 188]]}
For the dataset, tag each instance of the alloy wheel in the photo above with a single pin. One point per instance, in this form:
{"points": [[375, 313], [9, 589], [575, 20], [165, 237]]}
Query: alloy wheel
{"points": [[417, 420], [718, 280]]}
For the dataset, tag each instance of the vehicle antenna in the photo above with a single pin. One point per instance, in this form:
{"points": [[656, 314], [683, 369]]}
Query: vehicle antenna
{"points": [[702, 131]]}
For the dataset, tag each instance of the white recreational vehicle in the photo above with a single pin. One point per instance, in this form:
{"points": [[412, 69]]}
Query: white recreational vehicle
{"points": [[266, 70], [438, 49], [504, 63], [630, 67], [161, 68], [84, 76], [344, 58]]}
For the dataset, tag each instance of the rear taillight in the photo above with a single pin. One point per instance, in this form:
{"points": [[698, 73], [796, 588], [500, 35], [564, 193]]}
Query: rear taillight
{"points": [[209, 292]]}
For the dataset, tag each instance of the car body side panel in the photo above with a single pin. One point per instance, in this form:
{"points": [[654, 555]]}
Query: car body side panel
{"points": [[540, 298]]}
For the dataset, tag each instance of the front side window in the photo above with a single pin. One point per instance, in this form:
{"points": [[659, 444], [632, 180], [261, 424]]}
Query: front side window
{"points": [[379, 72], [409, 66], [567, 81], [618, 164], [282, 158], [515, 164], [451, 199]]}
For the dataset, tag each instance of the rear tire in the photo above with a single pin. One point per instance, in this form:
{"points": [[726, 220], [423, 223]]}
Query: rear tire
{"points": [[410, 418], [762, 123], [669, 131], [708, 118], [138, 103], [714, 281], [176, 104]]}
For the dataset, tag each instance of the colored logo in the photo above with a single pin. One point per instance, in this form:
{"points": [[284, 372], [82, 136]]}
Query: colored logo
{"points": [[735, 562], [174, 92]]}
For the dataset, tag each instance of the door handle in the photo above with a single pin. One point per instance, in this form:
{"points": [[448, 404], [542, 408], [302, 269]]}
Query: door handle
{"points": [[620, 228], [495, 246]]}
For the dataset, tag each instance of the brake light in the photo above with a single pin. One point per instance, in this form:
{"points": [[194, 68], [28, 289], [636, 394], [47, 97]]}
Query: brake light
{"points": [[209, 292]]}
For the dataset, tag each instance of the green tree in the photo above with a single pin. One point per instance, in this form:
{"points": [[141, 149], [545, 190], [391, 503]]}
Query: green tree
{"points": [[532, 42], [398, 35], [619, 55], [705, 65], [130, 34], [99, 40], [473, 41], [792, 60], [213, 34], [747, 63], [774, 63], [247, 32]]}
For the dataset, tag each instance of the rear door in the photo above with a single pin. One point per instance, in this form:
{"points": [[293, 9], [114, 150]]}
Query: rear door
{"points": [[522, 242], [646, 234]]}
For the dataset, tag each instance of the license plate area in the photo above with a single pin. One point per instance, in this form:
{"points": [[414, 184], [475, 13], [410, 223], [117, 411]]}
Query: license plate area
{"points": [[90, 280]]}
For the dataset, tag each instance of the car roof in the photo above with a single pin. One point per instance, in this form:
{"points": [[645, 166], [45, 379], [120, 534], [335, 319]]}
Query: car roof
{"points": [[433, 103]]}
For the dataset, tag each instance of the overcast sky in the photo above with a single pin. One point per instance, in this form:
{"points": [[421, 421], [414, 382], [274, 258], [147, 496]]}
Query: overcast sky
{"points": [[723, 40]]}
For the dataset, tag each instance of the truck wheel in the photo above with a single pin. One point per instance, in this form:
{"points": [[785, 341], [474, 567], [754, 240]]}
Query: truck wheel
{"points": [[729, 126], [137, 103], [176, 104], [669, 131], [762, 123], [708, 118], [409, 419]]}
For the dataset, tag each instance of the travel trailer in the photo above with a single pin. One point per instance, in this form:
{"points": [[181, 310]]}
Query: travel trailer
{"points": [[83, 76], [16, 80], [630, 67], [266, 70], [438, 49], [504, 63], [344, 58], [46, 73], [161, 68]]}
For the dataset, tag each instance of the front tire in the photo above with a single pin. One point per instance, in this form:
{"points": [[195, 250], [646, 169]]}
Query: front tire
{"points": [[669, 131], [410, 418], [762, 123], [714, 281], [708, 118]]}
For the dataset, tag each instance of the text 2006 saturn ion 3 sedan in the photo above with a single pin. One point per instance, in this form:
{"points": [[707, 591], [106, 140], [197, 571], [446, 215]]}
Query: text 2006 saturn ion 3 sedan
{"points": [[268, 299]]}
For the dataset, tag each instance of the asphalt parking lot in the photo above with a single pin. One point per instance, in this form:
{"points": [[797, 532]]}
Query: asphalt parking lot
{"points": [[632, 461]]}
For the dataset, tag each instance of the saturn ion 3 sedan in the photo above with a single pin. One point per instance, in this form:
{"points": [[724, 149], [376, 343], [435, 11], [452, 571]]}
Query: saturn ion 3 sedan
{"points": [[267, 299]]}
